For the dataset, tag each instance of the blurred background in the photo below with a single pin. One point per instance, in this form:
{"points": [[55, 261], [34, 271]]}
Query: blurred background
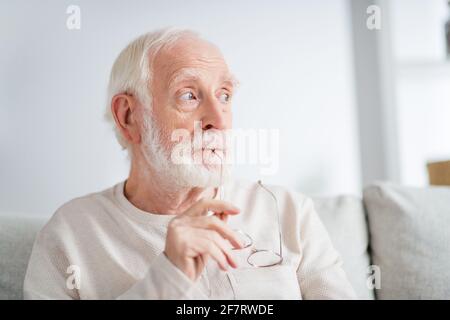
{"points": [[353, 104]]}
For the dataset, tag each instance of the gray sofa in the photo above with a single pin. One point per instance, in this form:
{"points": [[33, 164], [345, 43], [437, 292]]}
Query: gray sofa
{"points": [[395, 242]]}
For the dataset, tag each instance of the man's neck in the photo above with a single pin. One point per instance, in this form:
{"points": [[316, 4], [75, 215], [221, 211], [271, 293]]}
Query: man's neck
{"points": [[152, 193]]}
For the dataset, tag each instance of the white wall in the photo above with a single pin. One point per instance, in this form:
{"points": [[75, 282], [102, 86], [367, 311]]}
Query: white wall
{"points": [[293, 60], [418, 29], [423, 84]]}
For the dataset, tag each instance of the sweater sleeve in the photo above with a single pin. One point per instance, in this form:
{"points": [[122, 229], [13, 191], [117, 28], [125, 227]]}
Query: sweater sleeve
{"points": [[164, 281], [320, 273], [47, 277]]}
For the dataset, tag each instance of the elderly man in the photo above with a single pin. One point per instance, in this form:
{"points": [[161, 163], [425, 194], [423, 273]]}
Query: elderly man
{"points": [[181, 230]]}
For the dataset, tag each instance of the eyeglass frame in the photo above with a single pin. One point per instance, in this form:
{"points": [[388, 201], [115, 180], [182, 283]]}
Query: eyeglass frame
{"points": [[280, 254], [254, 251]]}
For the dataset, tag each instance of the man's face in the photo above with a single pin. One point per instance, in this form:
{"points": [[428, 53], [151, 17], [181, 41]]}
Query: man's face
{"points": [[191, 83]]}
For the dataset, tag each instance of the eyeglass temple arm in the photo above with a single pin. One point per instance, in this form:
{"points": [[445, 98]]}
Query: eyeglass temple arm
{"points": [[220, 188], [278, 214], [262, 186]]}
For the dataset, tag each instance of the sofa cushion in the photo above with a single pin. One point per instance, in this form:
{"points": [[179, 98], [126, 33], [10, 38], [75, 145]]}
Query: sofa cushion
{"points": [[345, 220], [410, 240], [17, 234]]}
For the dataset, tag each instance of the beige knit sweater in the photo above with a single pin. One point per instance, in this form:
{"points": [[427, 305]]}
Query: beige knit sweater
{"points": [[102, 247]]}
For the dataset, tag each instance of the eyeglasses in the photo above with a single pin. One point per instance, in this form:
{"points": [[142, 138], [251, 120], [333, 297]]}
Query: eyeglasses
{"points": [[262, 258], [258, 258]]}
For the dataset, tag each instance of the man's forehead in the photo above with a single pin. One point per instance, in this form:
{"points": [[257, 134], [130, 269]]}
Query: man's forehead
{"points": [[190, 58], [195, 74]]}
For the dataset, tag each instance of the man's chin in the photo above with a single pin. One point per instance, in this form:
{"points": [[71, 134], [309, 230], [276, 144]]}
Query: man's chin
{"points": [[204, 176]]}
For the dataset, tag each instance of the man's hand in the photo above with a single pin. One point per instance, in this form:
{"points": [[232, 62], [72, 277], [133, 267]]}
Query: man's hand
{"points": [[192, 237]]}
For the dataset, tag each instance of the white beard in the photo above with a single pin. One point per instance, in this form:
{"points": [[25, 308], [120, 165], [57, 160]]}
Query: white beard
{"points": [[157, 152]]}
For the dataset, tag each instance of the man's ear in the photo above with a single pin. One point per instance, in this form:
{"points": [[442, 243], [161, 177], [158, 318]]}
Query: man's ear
{"points": [[123, 108]]}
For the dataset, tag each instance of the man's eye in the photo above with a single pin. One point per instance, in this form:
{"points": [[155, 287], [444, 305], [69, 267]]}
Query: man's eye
{"points": [[188, 96], [224, 98]]}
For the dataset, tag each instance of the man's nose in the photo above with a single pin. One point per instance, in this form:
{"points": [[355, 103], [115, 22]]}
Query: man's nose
{"points": [[216, 115]]}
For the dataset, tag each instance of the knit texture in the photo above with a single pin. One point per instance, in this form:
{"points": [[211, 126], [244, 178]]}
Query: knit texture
{"points": [[100, 246]]}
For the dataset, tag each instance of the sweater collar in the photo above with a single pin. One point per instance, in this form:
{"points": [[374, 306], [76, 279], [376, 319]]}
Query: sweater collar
{"points": [[141, 215]]}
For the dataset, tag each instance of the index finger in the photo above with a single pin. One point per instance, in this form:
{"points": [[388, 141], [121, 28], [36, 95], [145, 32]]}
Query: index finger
{"points": [[202, 207]]}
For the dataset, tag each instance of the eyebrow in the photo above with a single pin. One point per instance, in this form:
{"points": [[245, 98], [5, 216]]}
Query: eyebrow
{"points": [[190, 74], [231, 79], [184, 75]]}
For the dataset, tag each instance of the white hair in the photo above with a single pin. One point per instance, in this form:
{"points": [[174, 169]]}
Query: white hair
{"points": [[132, 69], [180, 175]]}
